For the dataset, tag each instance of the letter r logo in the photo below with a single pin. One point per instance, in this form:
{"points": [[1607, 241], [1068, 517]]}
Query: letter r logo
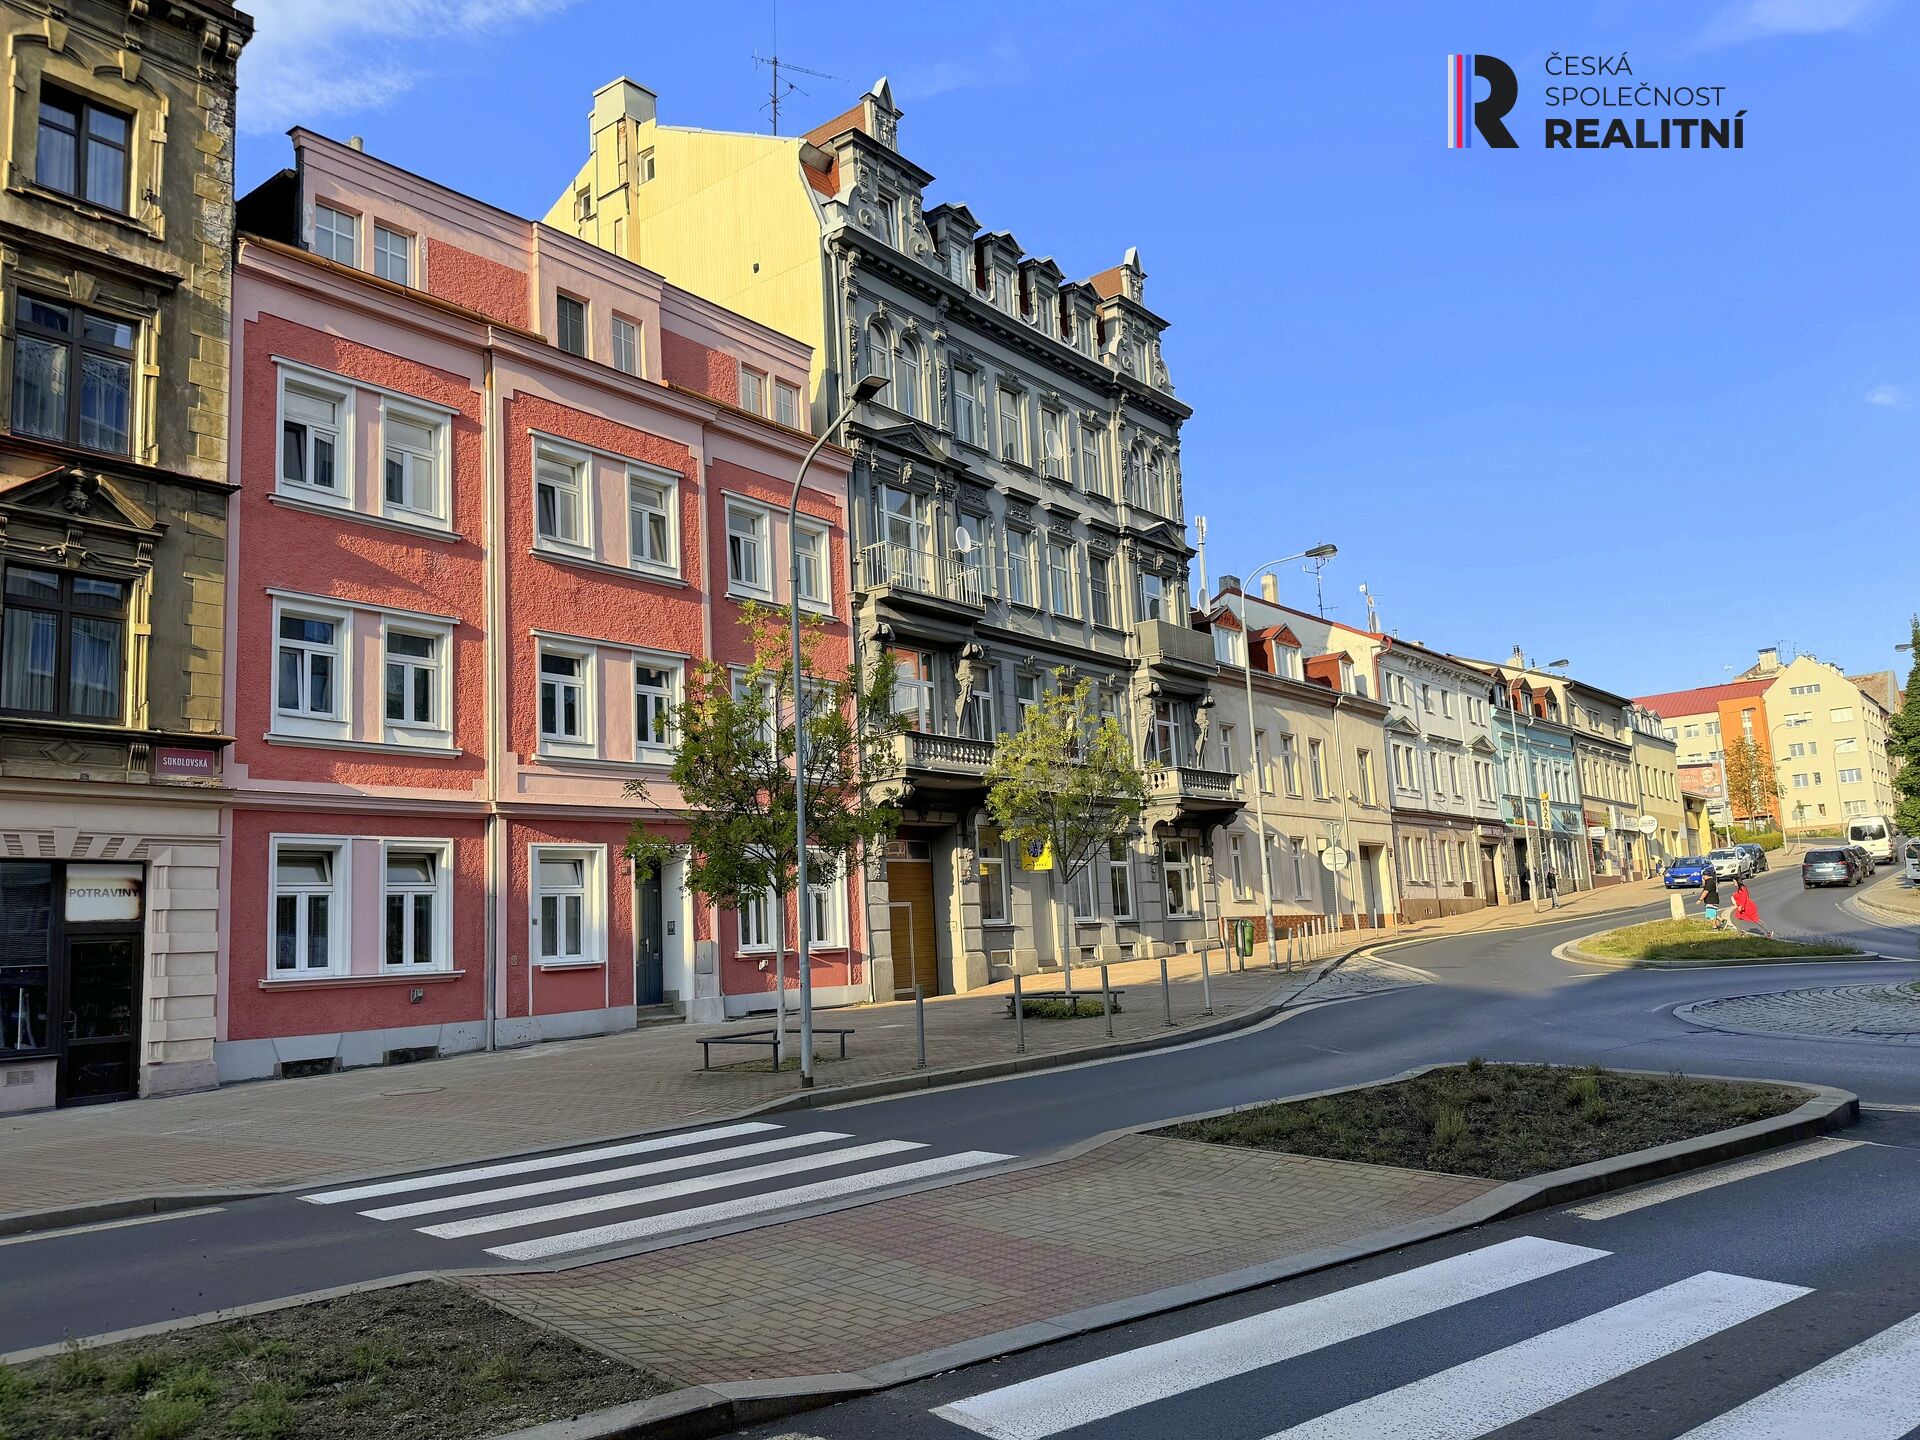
{"points": [[1487, 115]]}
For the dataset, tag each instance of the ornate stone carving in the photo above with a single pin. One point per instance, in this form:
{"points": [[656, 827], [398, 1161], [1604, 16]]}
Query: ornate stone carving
{"points": [[966, 865], [1202, 723]]}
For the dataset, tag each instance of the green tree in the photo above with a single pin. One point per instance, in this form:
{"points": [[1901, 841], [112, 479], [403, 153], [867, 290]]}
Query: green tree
{"points": [[733, 767], [1752, 786], [1066, 784], [1903, 747]]}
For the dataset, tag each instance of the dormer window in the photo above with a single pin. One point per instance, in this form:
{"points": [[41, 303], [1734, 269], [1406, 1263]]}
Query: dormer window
{"points": [[889, 206]]}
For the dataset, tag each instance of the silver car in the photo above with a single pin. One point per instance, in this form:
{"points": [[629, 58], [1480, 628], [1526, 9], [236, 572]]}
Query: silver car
{"points": [[1731, 864]]}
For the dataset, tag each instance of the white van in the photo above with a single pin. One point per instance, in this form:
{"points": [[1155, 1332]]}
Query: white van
{"points": [[1913, 862], [1874, 834]]}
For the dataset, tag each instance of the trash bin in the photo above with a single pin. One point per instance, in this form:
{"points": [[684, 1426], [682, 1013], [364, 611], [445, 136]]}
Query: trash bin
{"points": [[1243, 939]]}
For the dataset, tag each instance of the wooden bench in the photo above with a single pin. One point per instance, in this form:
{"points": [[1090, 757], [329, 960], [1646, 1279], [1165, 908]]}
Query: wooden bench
{"points": [[1078, 995], [769, 1038]]}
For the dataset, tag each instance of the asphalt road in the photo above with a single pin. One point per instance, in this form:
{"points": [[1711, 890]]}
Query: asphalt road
{"points": [[1501, 995], [1737, 1309]]}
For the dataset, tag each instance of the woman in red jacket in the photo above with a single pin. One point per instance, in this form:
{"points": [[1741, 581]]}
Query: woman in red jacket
{"points": [[1745, 912]]}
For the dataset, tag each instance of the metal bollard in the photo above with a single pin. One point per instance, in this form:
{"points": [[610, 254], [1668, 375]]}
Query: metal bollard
{"points": [[1166, 992], [1106, 1001], [1206, 986], [920, 1023], [1019, 1018], [1289, 951]]}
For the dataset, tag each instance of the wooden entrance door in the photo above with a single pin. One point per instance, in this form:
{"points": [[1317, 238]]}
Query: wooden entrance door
{"points": [[916, 955]]}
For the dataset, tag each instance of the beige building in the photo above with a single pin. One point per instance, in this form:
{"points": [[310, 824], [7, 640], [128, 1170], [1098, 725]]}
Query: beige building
{"points": [[1656, 771], [1829, 743]]}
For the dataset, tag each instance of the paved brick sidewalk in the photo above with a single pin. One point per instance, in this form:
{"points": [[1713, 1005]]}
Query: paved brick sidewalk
{"points": [[1889, 1014], [847, 1290]]}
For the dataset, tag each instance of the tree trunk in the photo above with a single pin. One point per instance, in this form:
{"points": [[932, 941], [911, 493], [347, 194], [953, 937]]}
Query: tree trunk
{"points": [[1063, 929]]}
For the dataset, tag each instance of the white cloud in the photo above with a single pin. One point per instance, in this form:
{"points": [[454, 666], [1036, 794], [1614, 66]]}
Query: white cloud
{"points": [[1004, 64], [312, 60], [1891, 396], [1757, 19]]}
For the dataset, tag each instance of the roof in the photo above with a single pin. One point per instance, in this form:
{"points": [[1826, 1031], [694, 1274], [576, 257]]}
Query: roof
{"points": [[1879, 687], [1704, 698]]}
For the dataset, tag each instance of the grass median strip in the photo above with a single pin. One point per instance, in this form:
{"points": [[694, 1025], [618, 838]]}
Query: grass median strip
{"points": [[415, 1362], [1499, 1122], [1693, 941]]}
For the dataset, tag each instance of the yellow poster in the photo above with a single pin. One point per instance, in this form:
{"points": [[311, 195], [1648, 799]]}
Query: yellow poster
{"points": [[1037, 856]]}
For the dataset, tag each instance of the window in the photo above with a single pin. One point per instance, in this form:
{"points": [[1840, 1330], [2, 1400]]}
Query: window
{"points": [[753, 391], [1013, 439], [336, 235], [309, 928], [414, 447], [1053, 443], [559, 509], [913, 688], [1020, 569], [312, 421], [810, 578], [1289, 760], [1453, 772], [626, 346], [1227, 647], [1164, 734], [759, 695], [1439, 775], [413, 678], [1302, 865], [970, 407], [1062, 592], [655, 688], [1841, 715], [1026, 694], [392, 255], [880, 354], [1085, 898], [827, 909], [1846, 745], [1226, 748], [1159, 496], [414, 896], [1803, 689], [756, 923], [1100, 584], [1850, 777], [1363, 773], [1153, 596], [72, 375], [1120, 879], [645, 166], [747, 549], [1176, 865], [570, 324], [82, 149], [26, 900], [786, 404], [994, 908], [1800, 781], [566, 912], [1236, 859], [307, 670], [889, 208], [563, 696], [905, 395], [982, 713], [650, 528], [1093, 478], [62, 645]]}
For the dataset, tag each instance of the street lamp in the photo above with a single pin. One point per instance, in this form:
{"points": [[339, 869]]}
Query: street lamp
{"points": [[864, 390], [1318, 552]]}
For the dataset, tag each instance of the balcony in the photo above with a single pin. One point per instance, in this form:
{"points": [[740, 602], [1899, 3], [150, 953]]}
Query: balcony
{"points": [[901, 576], [1189, 792], [942, 762], [1176, 651]]}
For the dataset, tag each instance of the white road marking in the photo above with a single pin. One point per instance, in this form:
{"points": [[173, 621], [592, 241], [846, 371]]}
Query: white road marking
{"points": [[1507, 1385], [538, 1162], [1631, 1200], [67, 1230], [1101, 1388], [1871, 1392], [467, 1199], [672, 1190], [649, 1226]]}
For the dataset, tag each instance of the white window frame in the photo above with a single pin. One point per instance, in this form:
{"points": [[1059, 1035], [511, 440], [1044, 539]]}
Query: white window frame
{"points": [[754, 925], [739, 684], [325, 223], [1100, 587], [827, 914], [433, 460], [761, 522], [574, 488], [753, 390], [966, 402], [1120, 879], [674, 667], [1054, 458], [1021, 581], [556, 742], [628, 357], [668, 483], [1093, 476], [786, 404], [1008, 408], [1317, 767], [593, 913], [340, 395], [437, 730], [819, 595], [1185, 866], [338, 724], [993, 876], [441, 892], [1153, 604], [384, 251], [338, 894], [1063, 580]]}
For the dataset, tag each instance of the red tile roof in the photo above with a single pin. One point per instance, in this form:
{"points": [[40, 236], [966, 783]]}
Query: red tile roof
{"points": [[1705, 698]]}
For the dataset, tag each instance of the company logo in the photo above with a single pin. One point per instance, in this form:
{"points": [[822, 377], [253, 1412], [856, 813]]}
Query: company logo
{"points": [[1466, 114]]}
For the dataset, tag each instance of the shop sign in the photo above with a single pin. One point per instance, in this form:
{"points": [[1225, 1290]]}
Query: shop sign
{"points": [[104, 892]]}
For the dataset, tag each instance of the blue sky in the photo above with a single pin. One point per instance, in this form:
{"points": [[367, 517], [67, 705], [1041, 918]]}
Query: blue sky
{"points": [[1647, 410]]}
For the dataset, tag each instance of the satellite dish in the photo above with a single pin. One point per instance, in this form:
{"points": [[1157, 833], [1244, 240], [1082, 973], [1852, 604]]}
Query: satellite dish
{"points": [[963, 540]]}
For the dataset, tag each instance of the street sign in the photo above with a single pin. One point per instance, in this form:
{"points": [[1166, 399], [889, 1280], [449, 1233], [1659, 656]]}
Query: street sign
{"points": [[1647, 825], [1334, 857]]}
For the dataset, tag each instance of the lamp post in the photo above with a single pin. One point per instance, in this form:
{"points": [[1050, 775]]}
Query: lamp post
{"points": [[1318, 552], [864, 390]]}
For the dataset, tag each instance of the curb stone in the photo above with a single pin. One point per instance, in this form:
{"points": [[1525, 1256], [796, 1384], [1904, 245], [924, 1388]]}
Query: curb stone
{"points": [[21, 1222], [718, 1408], [1571, 952]]}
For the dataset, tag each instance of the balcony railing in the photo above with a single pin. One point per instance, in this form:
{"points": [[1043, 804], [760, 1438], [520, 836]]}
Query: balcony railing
{"points": [[901, 567], [1191, 782], [921, 751]]}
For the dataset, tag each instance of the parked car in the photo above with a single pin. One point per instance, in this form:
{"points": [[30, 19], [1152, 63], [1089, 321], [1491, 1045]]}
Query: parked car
{"points": [[1828, 867], [1863, 858], [1731, 863], [1757, 854], [1913, 862], [1685, 873], [1875, 835]]}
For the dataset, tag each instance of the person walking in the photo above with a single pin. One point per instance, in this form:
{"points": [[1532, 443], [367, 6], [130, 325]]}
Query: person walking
{"points": [[1710, 897], [1553, 889], [1745, 912]]}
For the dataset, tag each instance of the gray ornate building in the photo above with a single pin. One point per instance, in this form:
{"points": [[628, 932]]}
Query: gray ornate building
{"points": [[1016, 510]]}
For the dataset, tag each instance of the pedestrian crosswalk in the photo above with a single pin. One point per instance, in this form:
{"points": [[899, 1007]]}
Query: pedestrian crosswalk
{"points": [[594, 1183], [1868, 1392]]}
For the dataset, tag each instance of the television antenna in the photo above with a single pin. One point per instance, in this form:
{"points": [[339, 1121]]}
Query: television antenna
{"points": [[1319, 583]]}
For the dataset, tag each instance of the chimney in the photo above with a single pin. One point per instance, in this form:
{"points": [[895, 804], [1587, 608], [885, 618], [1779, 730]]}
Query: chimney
{"points": [[621, 100], [1229, 583], [1517, 660], [354, 142], [1270, 588], [1769, 660]]}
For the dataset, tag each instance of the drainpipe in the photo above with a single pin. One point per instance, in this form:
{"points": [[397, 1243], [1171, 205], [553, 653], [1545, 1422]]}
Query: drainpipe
{"points": [[495, 602]]}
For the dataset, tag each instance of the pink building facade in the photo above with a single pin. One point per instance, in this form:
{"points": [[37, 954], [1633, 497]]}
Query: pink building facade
{"points": [[499, 492]]}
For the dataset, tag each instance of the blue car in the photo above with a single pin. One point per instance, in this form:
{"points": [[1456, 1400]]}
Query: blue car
{"points": [[1686, 872]]}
